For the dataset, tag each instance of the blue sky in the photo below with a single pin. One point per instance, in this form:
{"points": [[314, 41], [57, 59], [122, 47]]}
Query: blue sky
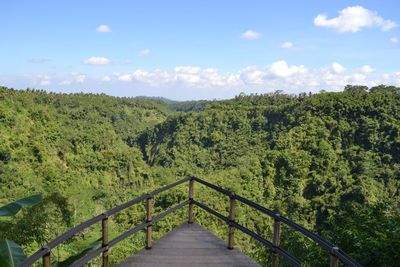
{"points": [[198, 49]]}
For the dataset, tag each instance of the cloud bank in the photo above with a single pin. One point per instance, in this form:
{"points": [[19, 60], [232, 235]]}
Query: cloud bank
{"points": [[353, 19], [278, 75], [193, 82], [96, 61]]}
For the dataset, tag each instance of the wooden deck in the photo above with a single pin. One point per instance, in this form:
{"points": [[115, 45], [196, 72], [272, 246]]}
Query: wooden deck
{"points": [[189, 245]]}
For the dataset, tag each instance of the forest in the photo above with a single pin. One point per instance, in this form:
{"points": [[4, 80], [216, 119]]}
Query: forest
{"points": [[328, 161]]}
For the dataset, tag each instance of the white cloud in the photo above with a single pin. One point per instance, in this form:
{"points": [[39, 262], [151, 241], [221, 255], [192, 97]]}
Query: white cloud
{"points": [[251, 35], [367, 69], [96, 61], [187, 69], [45, 80], [154, 78], [125, 77], [65, 82], [188, 76], [277, 75], [353, 19], [204, 78], [215, 79], [74, 78], [105, 78], [281, 69], [337, 68], [394, 40], [358, 78], [78, 77], [253, 75], [287, 45], [103, 28], [193, 76], [144, 52], [194, 80]]}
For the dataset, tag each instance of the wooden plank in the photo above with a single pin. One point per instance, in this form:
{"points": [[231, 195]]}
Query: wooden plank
{"points": [[189, 245]]}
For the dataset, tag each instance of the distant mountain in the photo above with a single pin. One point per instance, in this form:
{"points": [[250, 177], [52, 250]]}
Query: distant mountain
{"points": [[182, 106]]}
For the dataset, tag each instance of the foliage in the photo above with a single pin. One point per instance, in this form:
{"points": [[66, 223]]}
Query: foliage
{"points": [[11, 209], [182, 106], [11, 254], [309, 157], [329, 161], [86, 250]]}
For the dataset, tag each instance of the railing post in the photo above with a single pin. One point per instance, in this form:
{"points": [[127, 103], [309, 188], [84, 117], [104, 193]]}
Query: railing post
{"points": [[191, 204], [46, 258], [276, 240], [334, 258], [231, 229], [149, 214], [104, 240]]}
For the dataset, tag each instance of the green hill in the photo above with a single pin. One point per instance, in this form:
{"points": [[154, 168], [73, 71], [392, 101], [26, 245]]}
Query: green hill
{"points": [[329, 161], [77, 149], [181, 106]]}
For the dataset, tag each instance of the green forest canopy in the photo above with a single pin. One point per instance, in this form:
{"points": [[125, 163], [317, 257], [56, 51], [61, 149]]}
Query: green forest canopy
{"points": [[328, 161]]}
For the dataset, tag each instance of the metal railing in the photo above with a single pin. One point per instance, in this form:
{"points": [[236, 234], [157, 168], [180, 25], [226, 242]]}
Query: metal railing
{"points": [[336, 254]]}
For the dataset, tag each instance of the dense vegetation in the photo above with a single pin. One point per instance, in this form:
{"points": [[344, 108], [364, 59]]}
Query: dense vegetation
{"points": [[76, 149], [183, 106], [329, 161]]}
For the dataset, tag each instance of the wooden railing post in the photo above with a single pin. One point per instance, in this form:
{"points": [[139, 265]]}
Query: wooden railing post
{"points": [[149, 214], [191, 204], [334, 258], [104, 240], [46, 258], [231, 229], [276, 240]]}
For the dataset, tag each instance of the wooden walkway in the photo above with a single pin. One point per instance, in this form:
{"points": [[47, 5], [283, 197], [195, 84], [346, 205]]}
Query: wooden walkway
{"points": [[189, 245]]}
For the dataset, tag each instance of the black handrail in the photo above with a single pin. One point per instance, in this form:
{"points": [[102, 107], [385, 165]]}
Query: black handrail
{"points": [[64, 237], [319, 240], [116, 240], [45, 250], [265, 242]]}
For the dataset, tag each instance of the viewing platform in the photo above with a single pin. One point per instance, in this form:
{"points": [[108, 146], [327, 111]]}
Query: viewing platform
{"points": [[189, 245]]}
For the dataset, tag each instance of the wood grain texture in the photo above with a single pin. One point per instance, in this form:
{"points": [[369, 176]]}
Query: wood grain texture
{"points": [[189, 245]]}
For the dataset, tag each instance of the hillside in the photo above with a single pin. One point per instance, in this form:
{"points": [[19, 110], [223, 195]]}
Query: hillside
{"points": [[180, 106], [48, 139], [329, 161], [76, 149]]}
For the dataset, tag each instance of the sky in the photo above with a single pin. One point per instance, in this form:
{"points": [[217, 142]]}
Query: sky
{"points": [[208, 49]]}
